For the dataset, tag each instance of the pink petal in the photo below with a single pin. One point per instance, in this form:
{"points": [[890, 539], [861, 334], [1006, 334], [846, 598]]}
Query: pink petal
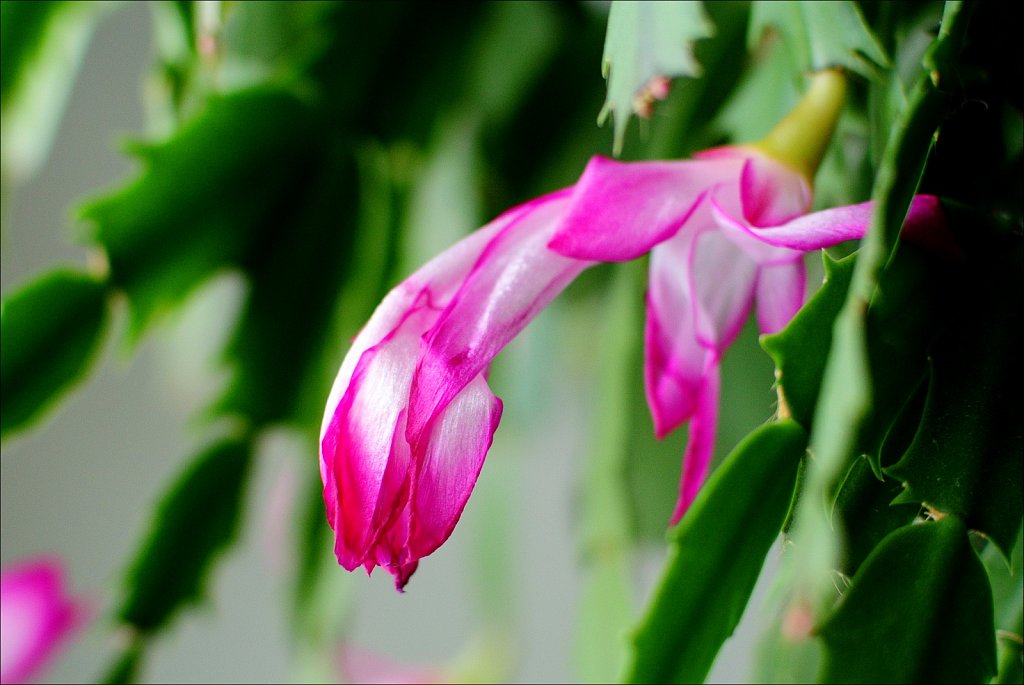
{"points": [[515, 277], [772, 193], [438, 279], [812, 231], [620, 210], [780, 294], [727, 212], [364, 446], [722, 279], [36, 617], [674, 360], [445, 476], [700, 445], [925, 225]]}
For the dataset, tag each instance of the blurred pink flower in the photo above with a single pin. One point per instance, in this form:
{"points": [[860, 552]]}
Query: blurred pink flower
{"points": [[410, 416], [359, 665], [36, 617]]}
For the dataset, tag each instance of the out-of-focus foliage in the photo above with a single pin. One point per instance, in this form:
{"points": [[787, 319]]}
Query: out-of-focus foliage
{"points": [[321, 151], [50, 330]]}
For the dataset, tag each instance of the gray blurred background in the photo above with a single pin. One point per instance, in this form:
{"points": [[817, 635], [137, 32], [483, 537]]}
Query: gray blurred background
{"points": [[82, 483]]}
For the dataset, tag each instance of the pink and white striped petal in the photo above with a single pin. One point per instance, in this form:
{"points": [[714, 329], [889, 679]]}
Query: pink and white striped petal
{"points": [[620, 210]]}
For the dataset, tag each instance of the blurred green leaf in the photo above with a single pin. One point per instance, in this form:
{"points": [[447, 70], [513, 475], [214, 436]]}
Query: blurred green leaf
{"points": [[721, 543], [42, 45], [50, 331], [208, 196], [766, 87], [819, 35], [277, 347], [127, 665], [687, 120], [966, 456], [647, 40], [196, 520], [266, 41], [918, 611]]}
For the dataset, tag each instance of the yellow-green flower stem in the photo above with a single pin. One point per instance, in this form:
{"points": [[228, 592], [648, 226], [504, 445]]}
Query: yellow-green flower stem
{"points": [[800, 139]]}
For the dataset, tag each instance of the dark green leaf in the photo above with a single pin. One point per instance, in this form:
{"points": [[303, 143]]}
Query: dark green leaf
{"points": [[50, 331], [865, 510], [280, 341], [715, 557], [208, 195], [800, 351], [846, 394], [966, 456], [919, 611], [907, 310], [1007, 582], [195, 521], [126, 665]]}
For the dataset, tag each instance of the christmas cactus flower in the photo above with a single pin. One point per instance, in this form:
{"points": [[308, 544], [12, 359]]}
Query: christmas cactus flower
{"points": [[725, 230], [410, 416], [36, 617]]}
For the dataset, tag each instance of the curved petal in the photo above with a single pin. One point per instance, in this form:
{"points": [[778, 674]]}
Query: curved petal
{"points": [[722, 279], [812, 231], [673, 359], [771, 192], [727, 213], [700, 445], [781, 289], [36, 616], [924, 225], [514, 278], [438, 279], [445, 475], [364, 447], [620, 210]]}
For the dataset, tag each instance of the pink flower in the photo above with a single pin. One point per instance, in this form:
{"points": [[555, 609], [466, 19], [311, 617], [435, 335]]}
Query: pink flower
{"points": [[411, 417], [724, 231], [36, 617]]}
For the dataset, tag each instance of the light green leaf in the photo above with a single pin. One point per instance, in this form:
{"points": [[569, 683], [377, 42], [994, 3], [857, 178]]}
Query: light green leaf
{"points": [[918, 611], [819, 35], [50, 331], [42, 45], [646, 40], [715, 557]]}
